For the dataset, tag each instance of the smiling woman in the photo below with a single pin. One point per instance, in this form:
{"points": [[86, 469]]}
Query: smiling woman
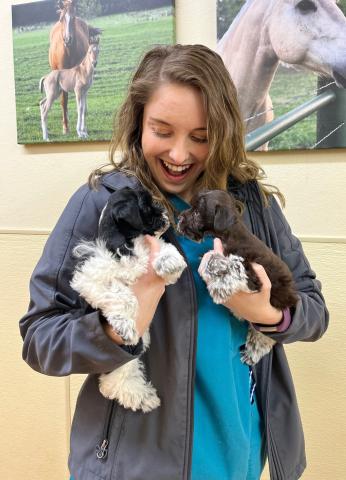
{"points": [[174, 138], [179, 131]]}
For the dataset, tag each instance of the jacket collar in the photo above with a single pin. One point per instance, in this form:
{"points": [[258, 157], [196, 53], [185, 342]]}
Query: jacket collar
{"points": [[115, 180]]}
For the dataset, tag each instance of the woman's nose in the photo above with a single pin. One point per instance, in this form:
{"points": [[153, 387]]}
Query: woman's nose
{"points": [[178, 153]]}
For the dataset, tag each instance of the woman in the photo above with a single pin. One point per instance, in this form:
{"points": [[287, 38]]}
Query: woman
{"points": [[179, 130]]}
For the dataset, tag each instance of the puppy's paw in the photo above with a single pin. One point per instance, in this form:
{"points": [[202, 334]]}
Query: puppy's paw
{"points": [[147, 402], [219, 289], [247, 358], [141, 396], [217, 266], [256, 347], [125, 328], [215, 272], [169, 264]]}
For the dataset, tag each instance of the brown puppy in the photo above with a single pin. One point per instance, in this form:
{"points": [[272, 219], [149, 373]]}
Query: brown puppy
{"points": [[215, 213]]}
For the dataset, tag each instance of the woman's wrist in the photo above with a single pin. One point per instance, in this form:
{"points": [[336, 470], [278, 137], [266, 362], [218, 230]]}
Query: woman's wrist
{"points": [[281, 326], [274, 317]]}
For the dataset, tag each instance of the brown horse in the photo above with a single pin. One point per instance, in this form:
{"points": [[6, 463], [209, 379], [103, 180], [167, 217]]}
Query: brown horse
{"points": [[69, 42]]}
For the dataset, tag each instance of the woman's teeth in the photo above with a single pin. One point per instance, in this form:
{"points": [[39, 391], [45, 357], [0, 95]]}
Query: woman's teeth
{"points": [[175, 168]]}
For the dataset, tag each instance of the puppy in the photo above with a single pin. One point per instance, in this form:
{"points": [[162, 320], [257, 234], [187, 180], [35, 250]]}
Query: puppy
{"points": [[107, 269], [215, 213]]}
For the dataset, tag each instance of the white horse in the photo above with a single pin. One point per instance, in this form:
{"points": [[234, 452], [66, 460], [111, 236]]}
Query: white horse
{"points": [[308, 34]]}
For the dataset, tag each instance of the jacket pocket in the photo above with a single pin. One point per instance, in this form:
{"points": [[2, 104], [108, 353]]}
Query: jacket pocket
{"points": [[101, 464], [102, 446], [114, 414]]}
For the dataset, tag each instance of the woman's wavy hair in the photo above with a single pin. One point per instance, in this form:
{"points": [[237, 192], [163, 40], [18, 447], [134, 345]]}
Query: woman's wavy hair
{"points": [[194, 66]]}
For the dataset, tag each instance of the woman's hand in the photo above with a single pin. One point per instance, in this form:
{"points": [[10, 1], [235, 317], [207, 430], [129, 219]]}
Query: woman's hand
{"points": [[253, 307], [148, 289]]}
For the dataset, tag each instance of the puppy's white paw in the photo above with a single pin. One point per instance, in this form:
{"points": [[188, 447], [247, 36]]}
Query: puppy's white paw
{"points": [[217, 266], [125, 328], [146, 402], [144, 399], [169, 264], [128, 385], [215, 273], [219, 289], [224, 276]]}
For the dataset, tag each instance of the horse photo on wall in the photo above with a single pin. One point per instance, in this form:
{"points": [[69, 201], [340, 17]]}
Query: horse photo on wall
{"points": [[73, 60], [287, 59]]}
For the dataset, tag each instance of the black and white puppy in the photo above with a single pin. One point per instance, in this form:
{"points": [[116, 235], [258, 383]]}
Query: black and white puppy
{"points": [[109, 266], [215, 213]]}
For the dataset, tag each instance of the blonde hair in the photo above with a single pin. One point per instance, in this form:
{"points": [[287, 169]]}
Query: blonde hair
{"points": [[199, 67]]}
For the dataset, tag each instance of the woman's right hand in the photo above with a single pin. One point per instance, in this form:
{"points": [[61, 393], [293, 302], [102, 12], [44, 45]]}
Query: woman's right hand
{"points": [[148, 289]]}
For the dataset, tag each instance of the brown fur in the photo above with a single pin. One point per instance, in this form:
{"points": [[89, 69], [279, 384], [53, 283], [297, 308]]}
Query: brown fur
{"points": [[215, 213]]}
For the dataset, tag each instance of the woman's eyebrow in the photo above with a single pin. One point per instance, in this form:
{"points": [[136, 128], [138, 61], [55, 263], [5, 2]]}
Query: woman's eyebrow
{"points": [[158, 120], [162, 122]]}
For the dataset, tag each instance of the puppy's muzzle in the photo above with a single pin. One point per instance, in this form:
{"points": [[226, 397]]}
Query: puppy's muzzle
{"points": [[188, 225], [165, 225]]}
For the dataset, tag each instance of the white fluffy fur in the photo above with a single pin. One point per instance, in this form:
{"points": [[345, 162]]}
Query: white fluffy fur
{"points": [[225, 276], [104, 281]]}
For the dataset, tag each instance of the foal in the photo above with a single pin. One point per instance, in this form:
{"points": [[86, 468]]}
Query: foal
{"points": [[78, 79]]}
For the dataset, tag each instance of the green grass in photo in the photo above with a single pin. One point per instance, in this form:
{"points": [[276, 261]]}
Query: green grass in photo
{"points": [[291, 88]]}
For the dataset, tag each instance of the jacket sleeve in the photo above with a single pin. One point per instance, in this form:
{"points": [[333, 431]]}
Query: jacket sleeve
{"points": [[61, 333], [310, 316]]}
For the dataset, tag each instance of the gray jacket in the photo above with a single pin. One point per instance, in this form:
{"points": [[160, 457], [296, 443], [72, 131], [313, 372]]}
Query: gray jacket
{"points": [[63, 335]]}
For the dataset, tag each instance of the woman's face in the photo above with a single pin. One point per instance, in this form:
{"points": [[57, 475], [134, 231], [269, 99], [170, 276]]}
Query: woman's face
{"points": [[174, 138]]}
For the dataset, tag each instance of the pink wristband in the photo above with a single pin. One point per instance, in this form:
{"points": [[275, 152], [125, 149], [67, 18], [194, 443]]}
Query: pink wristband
{"points": [[279, 327]]}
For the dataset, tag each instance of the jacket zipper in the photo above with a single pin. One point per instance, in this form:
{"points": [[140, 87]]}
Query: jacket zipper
{"points": [[191, 378], [274, 465], [273, 458], [102, 447], [191, 373], [275, 468]]}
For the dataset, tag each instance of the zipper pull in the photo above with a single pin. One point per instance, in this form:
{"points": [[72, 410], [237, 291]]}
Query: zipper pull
{"points": [[102, 450]]}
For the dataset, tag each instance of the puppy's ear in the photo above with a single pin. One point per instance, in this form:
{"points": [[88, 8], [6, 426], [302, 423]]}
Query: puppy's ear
{"points": [[128, 213], [223, 219]]}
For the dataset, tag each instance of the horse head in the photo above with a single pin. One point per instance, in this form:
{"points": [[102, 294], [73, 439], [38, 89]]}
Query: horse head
{"points": [[310, 34], [67, 10], [93, 52]]}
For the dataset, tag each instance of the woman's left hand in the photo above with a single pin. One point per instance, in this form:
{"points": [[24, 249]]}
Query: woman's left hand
{"points": [[253, 307]]}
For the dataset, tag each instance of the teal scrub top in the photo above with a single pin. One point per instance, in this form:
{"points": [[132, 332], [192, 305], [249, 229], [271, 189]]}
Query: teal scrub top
{"points": [[228, 441]]}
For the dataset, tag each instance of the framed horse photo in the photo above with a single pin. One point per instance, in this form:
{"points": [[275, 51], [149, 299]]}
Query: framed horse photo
{"points": [[287, 60], [73, 60]]}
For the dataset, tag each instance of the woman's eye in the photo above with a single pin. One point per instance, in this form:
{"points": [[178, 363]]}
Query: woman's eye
{"points": [[161, 134], [199, 139]]}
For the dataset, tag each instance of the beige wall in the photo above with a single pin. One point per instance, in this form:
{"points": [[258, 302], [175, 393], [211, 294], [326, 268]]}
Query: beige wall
{"points": [[35, 185]]}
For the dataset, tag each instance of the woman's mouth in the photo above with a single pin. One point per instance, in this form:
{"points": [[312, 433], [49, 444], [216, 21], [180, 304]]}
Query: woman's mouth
{"points": [[176, 171]]}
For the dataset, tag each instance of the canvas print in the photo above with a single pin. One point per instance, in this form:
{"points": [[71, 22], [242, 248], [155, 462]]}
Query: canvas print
{"points": [[73, 60], [287, 58]]}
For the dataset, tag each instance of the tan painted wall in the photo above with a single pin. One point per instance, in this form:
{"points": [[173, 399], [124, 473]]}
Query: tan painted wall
{"points": [[35, 184]]}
